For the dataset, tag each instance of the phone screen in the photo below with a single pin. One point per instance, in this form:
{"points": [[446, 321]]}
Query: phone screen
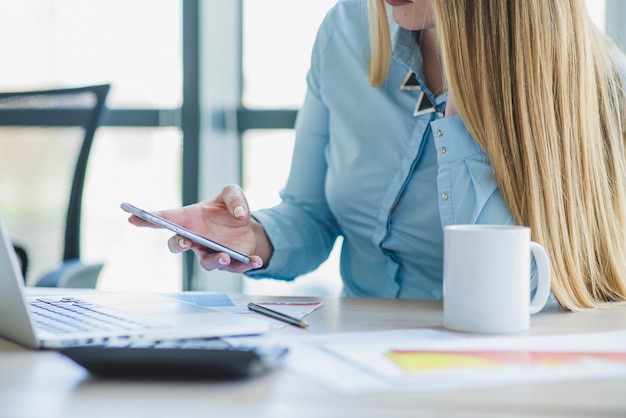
{"points": [[184, 232]]}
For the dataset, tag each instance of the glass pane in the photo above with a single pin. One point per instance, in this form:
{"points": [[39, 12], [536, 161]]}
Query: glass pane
{"points": [[133, 44], [141, 166], [263, 181], [270, 38], [597, 11], [36, 171]]}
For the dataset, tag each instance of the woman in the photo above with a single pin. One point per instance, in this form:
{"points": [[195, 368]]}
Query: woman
{"points": [[383, 159]]}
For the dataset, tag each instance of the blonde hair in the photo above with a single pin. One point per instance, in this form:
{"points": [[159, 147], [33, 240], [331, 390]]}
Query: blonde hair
{"points": [[536, 85], [380, 43]]}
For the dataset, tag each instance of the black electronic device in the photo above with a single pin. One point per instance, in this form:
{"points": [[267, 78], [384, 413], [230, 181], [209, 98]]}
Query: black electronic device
{"points": [[164, 360]]}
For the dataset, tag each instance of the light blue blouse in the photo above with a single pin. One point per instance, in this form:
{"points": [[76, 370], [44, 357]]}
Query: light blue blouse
{"points": [[365, 168]]}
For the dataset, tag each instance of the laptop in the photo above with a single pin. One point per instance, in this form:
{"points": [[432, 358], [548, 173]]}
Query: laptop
{"points": [[103, 317]]}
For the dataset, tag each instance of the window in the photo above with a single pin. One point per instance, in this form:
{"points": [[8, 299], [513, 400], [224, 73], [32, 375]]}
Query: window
{"points": [[137, 46], [56, 43]]}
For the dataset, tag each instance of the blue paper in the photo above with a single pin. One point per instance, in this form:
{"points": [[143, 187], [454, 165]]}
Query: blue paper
{"points": [[204, 299]]}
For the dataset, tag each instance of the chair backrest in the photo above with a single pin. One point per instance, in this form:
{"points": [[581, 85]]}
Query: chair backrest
{"points": [[45, 140]]}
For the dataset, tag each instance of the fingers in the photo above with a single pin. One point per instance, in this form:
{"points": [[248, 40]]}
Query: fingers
{"points": [[235, 201], [222, 261], [211, 260], [137, 221], [178, 244], [174, 215]]}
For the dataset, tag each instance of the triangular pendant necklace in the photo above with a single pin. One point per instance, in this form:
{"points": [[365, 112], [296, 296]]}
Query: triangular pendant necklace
{"points": [[423, 105]]}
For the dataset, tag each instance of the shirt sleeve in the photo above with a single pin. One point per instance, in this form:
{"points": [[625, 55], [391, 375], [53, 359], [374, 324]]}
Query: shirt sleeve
{"points": [[302, 228]]}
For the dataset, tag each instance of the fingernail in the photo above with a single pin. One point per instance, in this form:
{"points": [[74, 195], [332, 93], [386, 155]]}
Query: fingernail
{"points": [[182, 243], [239, 212], [256, 264], [221, 261]]}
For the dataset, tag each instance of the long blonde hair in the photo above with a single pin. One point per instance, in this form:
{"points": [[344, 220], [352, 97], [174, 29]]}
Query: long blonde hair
{"points": [[536, 85]]}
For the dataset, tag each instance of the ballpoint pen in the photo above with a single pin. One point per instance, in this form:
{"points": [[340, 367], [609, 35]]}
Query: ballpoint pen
{"points": [[277, 315]]}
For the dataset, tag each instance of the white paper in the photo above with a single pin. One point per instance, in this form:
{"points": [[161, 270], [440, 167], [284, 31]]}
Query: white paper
{"points": [[357, 362], [480, 362]]}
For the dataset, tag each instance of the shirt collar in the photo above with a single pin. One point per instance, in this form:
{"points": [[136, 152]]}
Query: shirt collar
{"points": [[406, 51]]}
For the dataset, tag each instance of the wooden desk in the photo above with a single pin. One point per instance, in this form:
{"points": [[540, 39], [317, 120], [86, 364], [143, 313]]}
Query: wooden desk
{"points": [[44, 384]]}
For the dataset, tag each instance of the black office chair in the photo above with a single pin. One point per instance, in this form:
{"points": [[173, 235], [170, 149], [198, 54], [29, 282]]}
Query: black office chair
{"points": [[45, 140]]}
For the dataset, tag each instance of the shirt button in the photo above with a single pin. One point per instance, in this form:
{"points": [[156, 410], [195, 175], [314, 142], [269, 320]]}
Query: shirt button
{"points": [[443, 150], [444, 196], [438, 133]]}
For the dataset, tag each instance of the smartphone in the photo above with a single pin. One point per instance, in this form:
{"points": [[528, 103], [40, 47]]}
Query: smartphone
{"points": [[184, 232]]}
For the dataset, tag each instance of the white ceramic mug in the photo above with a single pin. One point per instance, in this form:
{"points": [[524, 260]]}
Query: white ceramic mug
{"points": [[486, 278]]}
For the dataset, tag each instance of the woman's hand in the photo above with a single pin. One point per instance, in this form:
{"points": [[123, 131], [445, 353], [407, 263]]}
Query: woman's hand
{"points": [[225, 219]]}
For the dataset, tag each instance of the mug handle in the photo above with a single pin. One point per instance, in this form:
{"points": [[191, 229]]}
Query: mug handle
{"points": [[543, 277]]}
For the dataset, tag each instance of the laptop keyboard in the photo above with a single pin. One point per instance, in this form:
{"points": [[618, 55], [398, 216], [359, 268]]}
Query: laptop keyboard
{"points": [[71, 315]]}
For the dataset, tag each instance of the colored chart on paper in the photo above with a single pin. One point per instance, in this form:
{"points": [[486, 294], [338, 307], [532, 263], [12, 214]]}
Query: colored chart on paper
{"points": [[419, 361]]}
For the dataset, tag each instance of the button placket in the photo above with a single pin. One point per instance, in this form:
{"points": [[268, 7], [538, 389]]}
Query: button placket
{"points": [[442, 150]]}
